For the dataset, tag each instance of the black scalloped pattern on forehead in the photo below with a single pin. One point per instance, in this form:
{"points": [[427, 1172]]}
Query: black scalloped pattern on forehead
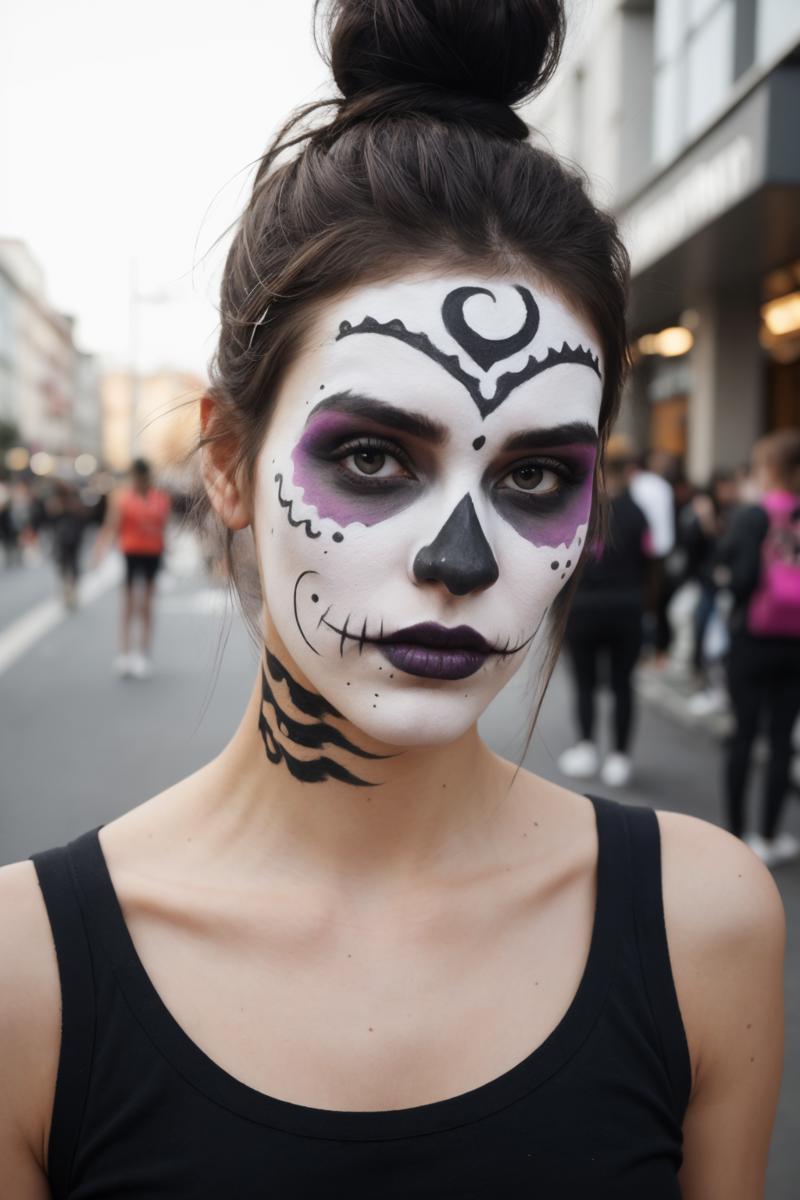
{"points": [[481, 350]]}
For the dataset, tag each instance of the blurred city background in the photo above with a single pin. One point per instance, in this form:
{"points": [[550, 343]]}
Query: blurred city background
{"points": [[128, 136]]}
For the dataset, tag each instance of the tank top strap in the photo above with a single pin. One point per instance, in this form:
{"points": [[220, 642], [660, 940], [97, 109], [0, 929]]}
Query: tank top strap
{"points": [[644, 838], [76, 969]]}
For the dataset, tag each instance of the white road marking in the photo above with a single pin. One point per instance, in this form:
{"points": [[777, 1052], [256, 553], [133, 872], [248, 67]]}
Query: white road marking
{"points": [[20, 635]]}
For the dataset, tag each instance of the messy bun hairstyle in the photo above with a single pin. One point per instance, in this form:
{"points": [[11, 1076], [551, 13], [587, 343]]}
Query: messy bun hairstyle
{"points": [[422, 161]]}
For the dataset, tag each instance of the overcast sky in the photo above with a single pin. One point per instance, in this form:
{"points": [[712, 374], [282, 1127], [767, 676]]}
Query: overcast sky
{"points": [[127, 130]]}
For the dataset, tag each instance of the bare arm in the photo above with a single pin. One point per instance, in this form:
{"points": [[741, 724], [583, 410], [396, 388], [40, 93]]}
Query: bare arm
{"points": [[727, 928], [29, 1033], [108, 532]]}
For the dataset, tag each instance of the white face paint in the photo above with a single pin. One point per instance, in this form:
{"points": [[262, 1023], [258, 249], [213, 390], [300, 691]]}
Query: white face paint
{"points": [[415, 517]]}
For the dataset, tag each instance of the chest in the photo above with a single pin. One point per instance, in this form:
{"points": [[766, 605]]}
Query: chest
{"points": [[347, 1013]]}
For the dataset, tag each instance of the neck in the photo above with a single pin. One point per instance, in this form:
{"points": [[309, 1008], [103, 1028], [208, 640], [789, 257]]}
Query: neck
{"points": [[332, 804]]}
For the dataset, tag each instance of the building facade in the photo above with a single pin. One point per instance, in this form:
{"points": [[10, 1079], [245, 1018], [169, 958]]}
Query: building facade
{"points": [[153, 416], [48, 388], [684, 114]]}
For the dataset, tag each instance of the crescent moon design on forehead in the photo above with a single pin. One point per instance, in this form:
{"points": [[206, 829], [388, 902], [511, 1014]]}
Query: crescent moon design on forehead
{"points": [[478, 348], [487, 351]]}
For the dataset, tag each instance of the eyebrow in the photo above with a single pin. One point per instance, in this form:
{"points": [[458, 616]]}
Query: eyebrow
{"points": [[358, 405], [578, 432]]}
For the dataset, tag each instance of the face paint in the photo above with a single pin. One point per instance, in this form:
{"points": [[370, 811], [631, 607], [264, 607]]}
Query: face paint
{"points": [[304, 735], [429, 457]]}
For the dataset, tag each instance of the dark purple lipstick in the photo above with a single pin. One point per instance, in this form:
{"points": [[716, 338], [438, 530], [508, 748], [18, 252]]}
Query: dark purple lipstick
{"points": [[435, 652]]}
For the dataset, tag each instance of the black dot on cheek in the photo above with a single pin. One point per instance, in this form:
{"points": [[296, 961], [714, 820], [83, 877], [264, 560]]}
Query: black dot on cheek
{"points": [[322, 387], [569, 562], [564, 576], [315, 598], [579, 541], [553, 566], [338, 537], [479, 441]]}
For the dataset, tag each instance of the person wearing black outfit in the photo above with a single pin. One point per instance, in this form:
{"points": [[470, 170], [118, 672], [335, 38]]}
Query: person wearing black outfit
{"points": [[67, 517], [605, 624], [763, 669], [358, 954]]}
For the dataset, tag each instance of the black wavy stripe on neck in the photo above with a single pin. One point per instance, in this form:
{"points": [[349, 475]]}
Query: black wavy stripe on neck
{"points": [[304, 735]]}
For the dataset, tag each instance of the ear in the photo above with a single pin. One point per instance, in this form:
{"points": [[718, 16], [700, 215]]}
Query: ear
{"points": [[221, 486]]}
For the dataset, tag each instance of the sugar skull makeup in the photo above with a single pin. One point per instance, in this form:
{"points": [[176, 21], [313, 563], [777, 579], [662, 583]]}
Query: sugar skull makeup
{"points": [[423, 494]]}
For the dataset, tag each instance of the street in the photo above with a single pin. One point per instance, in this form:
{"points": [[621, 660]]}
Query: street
{"points": [[79, 746]]}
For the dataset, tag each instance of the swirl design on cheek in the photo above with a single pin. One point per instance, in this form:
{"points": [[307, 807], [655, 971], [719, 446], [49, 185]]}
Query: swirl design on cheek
{"points": [[287, 504]]}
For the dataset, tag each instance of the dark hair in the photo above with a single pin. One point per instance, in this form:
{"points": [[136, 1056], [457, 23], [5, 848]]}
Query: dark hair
{"points": [[422, 161], [779, 453], [140, 466]]}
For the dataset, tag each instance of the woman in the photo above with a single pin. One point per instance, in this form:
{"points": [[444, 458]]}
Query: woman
{"points": [[605, 622], [759, 562], [357, 953], [67, 517], [137, 517]]}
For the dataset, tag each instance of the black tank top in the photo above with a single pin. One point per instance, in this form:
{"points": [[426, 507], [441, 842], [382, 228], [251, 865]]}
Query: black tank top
{"points": [[595, 1111]]}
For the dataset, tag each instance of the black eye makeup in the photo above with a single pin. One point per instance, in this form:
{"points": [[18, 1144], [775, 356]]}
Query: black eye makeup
{"points": [[541, 479], [371, 460]]}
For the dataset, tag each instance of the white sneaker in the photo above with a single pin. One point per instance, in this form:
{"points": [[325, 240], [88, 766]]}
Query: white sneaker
{"points": [[616, 770], [141, 667], [765, 850], [708, 702], [123, 665], [580, 762]]}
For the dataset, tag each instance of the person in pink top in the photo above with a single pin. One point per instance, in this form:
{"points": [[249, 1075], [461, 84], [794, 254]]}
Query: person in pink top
{"points": [[136, 519]]}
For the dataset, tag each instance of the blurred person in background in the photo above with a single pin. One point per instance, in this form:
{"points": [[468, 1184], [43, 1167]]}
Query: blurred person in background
{"points": [[9, 538], [136, 518], [67, 518], [25, 519], [759, 563], [701, 525], [652, 490], [605, 622]]}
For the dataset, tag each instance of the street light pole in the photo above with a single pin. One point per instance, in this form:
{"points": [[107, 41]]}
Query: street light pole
{"points": [[133, 354]]}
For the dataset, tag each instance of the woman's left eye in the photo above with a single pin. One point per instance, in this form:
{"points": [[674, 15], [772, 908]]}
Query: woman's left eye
{"points": [[534, 478]]}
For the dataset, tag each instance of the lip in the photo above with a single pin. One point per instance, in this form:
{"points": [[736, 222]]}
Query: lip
{"points": [[436, 652], [438, 637]]}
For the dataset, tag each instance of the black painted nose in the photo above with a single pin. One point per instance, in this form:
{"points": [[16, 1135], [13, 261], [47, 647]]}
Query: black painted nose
{"points": [[460, 556]]}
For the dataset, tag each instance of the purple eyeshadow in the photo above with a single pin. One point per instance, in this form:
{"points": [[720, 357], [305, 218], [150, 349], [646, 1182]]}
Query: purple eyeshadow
{"points": [[322, 484], [559, 526]]}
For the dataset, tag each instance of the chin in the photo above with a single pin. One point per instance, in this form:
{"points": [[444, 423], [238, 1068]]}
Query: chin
{"points": [[416, 715]]}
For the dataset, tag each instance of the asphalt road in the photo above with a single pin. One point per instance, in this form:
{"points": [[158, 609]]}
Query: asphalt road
{"points": [[78, 746]]}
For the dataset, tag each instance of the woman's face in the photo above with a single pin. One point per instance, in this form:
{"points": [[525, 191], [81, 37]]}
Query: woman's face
{"points": [[423, 494]]}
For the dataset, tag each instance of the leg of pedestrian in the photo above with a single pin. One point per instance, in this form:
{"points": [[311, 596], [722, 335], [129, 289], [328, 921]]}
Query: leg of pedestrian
{"points": [[783, 707], [746, 695], [582, 760]]}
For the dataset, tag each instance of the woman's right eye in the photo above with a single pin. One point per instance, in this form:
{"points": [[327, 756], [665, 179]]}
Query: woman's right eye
{"points": [[369, 462], [374, 462]]}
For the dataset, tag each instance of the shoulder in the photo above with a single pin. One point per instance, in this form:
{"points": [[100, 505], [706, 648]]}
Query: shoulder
{"points": [[30, 1022], [726, 930]]}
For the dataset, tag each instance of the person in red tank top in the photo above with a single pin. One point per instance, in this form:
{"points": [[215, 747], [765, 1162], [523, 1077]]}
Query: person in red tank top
{"points": [[137, 517]]}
